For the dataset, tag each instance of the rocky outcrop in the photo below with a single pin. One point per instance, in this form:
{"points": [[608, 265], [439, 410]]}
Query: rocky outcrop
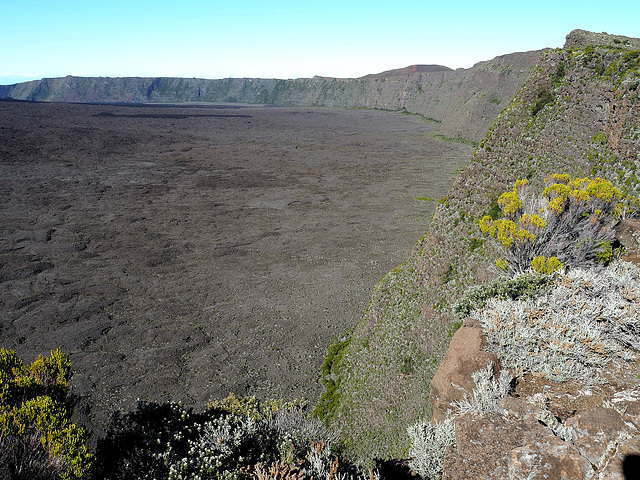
{"points": [[524, 441], [628, 234], [464, 101], [516, 445], [5, 91], [568, 430], [582, 38], [453, 378]]}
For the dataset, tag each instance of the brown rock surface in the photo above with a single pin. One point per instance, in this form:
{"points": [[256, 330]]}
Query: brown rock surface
{"points": [[599, 431], [483, 445], [549, 459], [453, 377], [625, 464], [550, 430], [628, 234], [517, 445]]}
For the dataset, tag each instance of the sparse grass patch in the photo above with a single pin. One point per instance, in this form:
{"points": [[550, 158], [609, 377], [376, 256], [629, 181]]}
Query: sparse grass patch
{"points": [[464, 141], [331, 380]]}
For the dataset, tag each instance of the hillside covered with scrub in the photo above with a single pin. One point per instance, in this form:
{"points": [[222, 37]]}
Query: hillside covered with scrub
{"points": [[504, 347], [577, 114]]}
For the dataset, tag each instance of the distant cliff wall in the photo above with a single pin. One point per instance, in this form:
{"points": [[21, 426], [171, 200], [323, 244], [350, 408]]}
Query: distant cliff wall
{"points": [[465, 101]]}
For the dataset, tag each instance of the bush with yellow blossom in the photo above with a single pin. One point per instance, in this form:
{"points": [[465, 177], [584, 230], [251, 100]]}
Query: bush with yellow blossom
{"points": [[568, 224], [37, 440]]}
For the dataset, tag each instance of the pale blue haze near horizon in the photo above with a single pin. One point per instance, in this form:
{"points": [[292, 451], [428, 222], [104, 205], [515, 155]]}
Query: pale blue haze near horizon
{"points": [[282, 38]]}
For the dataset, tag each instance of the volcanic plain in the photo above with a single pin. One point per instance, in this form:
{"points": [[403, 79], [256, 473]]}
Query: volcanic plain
{"points": [[181, 253]]}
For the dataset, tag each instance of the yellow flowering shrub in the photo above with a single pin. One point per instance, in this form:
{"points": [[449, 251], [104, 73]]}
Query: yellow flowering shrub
{"points": [[578, 183], [532, 221], [501, 264], [510, 203], [603, 190], [31, 405], [487, 226], [546, 266], [579, 196], [524, 235], [563, 226], [505, 232]]}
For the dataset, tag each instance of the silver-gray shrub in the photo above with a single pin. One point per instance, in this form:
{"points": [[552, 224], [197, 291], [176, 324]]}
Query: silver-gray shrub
{"points": [[322, 464], [428, 444], [220, 449], [297, 431], [587, 319], [226, 444], [487, 393], [430, 440]]}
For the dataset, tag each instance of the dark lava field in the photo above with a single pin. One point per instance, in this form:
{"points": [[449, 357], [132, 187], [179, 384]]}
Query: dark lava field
{"points": [[186, 252]]}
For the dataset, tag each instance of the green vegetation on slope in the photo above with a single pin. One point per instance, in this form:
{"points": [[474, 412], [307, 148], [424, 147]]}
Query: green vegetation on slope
{"points": [[587, 124]]}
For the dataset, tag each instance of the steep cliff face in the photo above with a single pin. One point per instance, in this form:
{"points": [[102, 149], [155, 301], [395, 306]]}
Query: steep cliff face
{"points": [[465, 101], [5, 90], [578, 113]]}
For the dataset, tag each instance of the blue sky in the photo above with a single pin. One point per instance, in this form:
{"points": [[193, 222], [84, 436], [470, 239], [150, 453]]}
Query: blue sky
{"points": [[283, 38]]}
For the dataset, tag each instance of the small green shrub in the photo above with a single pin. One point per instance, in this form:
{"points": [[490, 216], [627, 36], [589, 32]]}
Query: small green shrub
{"points": [[494, 211], [453, 327], [525, 285], [544, 98], [407, 366], [450, 273], [475, 244], [546, 266], [560, 72]]}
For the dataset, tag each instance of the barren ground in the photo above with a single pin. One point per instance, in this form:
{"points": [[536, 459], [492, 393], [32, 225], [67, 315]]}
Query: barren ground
{"points": [[182, 253]]}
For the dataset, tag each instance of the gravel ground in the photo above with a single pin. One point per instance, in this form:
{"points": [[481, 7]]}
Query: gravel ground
{"points": [[182, 253]]}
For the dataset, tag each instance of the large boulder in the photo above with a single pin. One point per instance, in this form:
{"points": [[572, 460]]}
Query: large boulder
{"points": [[454, 376], [628, 234], [599, 432]]}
